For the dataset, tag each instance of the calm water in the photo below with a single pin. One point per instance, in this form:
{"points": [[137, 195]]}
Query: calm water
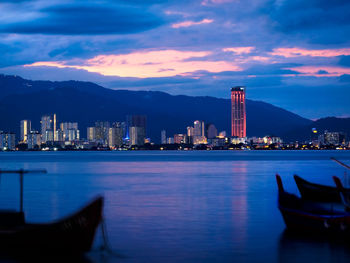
{"points": [[178, 206]]}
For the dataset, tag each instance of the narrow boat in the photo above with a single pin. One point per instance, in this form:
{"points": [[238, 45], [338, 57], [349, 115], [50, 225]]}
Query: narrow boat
{"points": [[71, 235], [317, 192], [307, 216]]}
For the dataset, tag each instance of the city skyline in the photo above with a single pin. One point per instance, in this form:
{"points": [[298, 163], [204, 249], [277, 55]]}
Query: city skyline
{"points": [[188, 47], [132, 133]]}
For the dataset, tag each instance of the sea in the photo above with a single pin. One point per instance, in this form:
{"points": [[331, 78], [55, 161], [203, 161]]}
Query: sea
{"points": [[178, 206]]}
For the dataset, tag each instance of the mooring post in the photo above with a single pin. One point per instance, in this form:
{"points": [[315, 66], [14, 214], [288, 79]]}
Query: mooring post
{"points": [[21, 190]]}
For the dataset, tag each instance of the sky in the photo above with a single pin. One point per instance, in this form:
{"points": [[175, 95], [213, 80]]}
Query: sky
{"points": [[294, 54]]}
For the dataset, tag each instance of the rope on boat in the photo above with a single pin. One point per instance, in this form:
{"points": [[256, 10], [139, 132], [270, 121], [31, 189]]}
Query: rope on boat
{"points": [[339, 162], [106, 244]]}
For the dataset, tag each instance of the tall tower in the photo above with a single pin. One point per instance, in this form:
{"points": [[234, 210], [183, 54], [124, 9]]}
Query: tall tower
{"points": [[55, 135], [25, 130], [238, 112]]}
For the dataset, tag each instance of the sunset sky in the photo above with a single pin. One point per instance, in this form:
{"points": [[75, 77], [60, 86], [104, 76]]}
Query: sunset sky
{"points": [[292, 53]]}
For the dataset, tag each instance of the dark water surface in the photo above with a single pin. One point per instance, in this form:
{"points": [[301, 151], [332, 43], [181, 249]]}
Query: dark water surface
{"points": [[179, 206]]}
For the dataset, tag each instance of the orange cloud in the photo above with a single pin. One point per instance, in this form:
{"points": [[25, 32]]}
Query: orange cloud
{"points": [[298, 52], [239, 50], [163, 63], [192, 23], [321, 71]]}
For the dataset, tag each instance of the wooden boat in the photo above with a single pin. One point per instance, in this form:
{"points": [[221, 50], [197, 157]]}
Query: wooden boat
{"points": [[307, 216], [317, 192], [71, 235]]}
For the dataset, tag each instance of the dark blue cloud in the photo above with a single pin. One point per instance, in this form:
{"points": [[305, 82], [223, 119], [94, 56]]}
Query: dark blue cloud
{"points": [[344, 61], [87, 19], [319, 21]]}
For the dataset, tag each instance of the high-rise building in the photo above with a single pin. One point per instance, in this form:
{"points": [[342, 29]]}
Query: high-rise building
{"points": [[7, 141], [25, 130], [238, 112], [136, 125], [34, 140], [199, 132], [179, 138], [211, 131], [70, 131], [46, 124], [91, 133], [55, 134], [101, 132], [137, 135], [115, 134], [163, 137]]}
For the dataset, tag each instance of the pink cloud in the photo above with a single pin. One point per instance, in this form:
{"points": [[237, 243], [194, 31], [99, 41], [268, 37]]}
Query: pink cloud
{"points": [[298, 52], [146, 64], [207, 2], [239, 50], [192, 23], [321, 71]]}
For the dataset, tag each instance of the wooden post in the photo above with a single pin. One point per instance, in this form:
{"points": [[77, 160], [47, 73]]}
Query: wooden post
{"points": [[21, 172]]}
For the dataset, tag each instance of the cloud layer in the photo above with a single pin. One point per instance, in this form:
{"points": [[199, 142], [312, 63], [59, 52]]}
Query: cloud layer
{"points": [[202, 47]]}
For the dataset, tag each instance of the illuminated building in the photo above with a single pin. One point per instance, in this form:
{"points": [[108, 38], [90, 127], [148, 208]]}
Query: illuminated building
{"points": [[48, 136], [34, 140], [101, 132], [70, 131], [179, 138], [137, 135], [55, 138], [115, 134], [91, 134], [238, 112], [199, 132], [7, 141], [170, 140], [25, 130], [163, 137], [46, 124], [136, 126], [332, 138], [211, 131]]}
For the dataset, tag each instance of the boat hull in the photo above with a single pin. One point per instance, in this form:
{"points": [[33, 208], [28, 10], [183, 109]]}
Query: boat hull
{"points": [[72, 235], [318, 192]]}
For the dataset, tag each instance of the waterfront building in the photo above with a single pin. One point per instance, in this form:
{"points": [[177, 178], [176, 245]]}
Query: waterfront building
{"points": [[34, 140], [332, 138], [91, 134], [55, 138], [25, 128], [238, 140], [137, 135], [7, 141], [48, 136], [211, 131], [170, 140], [222, 134], [70, 131], [199, 132], [59, 135], [101, 132], [179, 138], [163, 137], [115, 134], [238, 112], [136, 126], [46, 123]]}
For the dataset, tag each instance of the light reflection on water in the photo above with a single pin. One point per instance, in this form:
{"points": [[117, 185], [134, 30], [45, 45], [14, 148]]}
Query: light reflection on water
{"points": [[178, 206]]}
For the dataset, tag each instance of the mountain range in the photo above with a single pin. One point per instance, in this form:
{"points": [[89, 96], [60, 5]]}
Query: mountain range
{"points": [[86, 102]]}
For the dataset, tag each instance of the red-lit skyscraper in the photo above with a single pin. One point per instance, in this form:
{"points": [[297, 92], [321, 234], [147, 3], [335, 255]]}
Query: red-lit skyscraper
{"points": [[238, 114]]}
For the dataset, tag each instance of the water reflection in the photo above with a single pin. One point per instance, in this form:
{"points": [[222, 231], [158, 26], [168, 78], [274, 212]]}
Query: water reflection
{"points": [[171, 207], [299, 247]]}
